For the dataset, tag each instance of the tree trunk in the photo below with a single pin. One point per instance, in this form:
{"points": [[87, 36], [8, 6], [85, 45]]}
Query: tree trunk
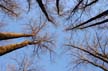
{"points": [[5, 35]]}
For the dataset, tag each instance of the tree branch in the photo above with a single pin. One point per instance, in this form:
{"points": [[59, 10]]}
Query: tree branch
{"points": [[94, 24], [57, 5], [86, 51], [91, 19], [8, 10], [43, 9], [91, 3], [95, 64]]}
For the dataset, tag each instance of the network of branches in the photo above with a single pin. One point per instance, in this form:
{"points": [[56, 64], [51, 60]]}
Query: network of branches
{"points": [[82, 17]]}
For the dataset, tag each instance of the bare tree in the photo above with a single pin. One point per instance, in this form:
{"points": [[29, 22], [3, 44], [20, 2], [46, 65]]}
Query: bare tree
{"points": [[80, 7], [10, 6], [83, 8], [80, 14], [25, 63], [37, 40], [91, 50], [88, 49]]}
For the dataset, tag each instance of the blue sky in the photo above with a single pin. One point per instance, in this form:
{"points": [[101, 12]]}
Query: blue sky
{"points": [[61, 59]]}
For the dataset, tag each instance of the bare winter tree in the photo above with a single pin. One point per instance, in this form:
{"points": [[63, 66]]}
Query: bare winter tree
{"points": [[90, 51], [10, 7], [85, 48], [79, 15], [26, 63], [84, 9], [43, 41]]}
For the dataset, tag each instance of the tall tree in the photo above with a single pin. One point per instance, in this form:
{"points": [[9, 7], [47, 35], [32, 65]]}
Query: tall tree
{"points": [[78, 16], [10, 7], [90, 51]]}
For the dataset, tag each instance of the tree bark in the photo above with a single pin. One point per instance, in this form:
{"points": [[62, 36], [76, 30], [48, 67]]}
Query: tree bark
{"points": [[5, 35], [11, 47]]}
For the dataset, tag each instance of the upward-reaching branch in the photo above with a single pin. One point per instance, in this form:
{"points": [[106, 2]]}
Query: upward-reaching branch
{"points": [[57, 5], [43, 9], [91, 3], [86, 51], [29, 4], [90, 20], [9, 7], [12, 12], [94, 24], [97, 65]]}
